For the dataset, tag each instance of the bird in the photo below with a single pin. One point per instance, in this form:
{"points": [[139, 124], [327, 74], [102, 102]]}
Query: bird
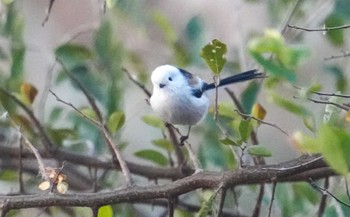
{"points": [[179, 97]]}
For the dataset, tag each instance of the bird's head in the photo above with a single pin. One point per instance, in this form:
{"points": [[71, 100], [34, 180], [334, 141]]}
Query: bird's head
{"points": [[167, 76]]}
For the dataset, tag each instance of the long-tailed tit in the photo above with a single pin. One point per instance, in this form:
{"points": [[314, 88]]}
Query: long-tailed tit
{"points": [[180, 97]]}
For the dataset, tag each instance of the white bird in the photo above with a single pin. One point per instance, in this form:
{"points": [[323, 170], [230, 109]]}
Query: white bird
{"points": [[180, 98]]}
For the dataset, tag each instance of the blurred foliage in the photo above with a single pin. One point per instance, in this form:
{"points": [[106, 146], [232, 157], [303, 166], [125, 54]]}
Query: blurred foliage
{"points": [[98, 68]]}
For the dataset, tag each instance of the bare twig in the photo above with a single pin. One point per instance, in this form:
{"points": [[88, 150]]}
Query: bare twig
{"points": [[344, 107], [43, 135], [291, 10], [262, 121], [326, 94], [171, 205], [48, 12], [108, 138], [322, 206], [319, 29], [221, 202], [344, 54], [140, 85], [20, 166], [274, 185], [325, 191]]}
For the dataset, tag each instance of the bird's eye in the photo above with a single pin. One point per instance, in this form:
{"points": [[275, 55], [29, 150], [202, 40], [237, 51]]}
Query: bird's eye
{"points": [[170, 78]]}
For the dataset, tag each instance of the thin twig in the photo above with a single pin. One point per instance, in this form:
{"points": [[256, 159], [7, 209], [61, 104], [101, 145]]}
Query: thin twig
{"points": [[292, 9], [325, 191], [221, 202], [262, 121], [319, 29], [272, 197], [171, 206], [48, 12], [43, 135], [140, 85], [20, 166], [344, 107], [344, 54], [326, 94], [322, 206], [109, 140]]}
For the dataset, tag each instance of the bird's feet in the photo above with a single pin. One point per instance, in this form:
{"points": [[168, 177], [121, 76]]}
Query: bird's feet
{"points": [[183, 140]]}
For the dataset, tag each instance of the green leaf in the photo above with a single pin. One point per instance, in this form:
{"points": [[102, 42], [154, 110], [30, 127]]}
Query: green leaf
{"points": [[206, 206], [289, 105], [8, 175], [105, 211], [214, 55], [61, 134], [259, 150], [163, 22], [335, 147], [228, 141], [90, 113], [153, 121], [55, 114], [153, 156], [245, 129], [336, 37], [332, 114], [73, 56], [116, 121], [275, 68], [340, 77], [249, 95], [164, 144]]}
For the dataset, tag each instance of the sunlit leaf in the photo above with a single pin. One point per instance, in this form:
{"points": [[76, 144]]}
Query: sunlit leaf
{"points": [[116, 121], [62, 187], [88, 112], [105, 211], [153, 156], [228, 141], [258, 111], [164, 144], [245, 129], [153, 121], [29, 92], [44, 185], [259, 150], [214, 55]]}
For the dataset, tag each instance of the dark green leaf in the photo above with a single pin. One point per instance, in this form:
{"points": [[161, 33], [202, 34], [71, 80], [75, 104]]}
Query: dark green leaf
{"points": [[248, 96], [55, 114], [152, 155], [259, 150], [228, 141], [214, 55], [335, 36], [73, 56], [340, 77]]}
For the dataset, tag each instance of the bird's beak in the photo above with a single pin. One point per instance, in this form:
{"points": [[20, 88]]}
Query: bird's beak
{"points": [[161, 85]]}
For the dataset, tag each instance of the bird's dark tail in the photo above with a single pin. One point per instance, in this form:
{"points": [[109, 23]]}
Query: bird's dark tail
{"points": [[244, 76]]}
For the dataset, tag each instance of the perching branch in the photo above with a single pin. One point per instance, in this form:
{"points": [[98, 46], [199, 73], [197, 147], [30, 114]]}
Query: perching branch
{"points": [[319, 29]]}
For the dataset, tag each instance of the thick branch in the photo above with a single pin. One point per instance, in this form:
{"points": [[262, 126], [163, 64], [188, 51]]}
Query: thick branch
{"points": [[250, 175]]}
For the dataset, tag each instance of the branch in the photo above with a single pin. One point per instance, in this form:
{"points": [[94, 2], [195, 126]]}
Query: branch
{"points": [[214, 180], [320, 29]]}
